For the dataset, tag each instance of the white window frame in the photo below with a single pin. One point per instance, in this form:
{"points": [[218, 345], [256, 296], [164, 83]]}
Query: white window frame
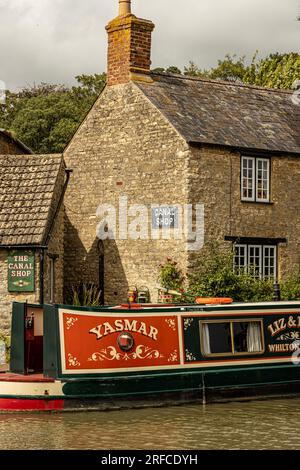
{"points": [[274, 247], [244, 266], [261, 199], [246, 198], [255, 161], [262, 259], [260, 248]]}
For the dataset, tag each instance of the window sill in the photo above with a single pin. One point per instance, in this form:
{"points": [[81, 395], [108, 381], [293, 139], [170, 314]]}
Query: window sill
{"points": [[270, 203]]}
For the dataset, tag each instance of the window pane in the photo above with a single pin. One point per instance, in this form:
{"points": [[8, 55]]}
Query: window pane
{"points": [[269, 261], [240, 258], [247, 337], [219, 338], [254, 260], [247, 173], [262, 179]]}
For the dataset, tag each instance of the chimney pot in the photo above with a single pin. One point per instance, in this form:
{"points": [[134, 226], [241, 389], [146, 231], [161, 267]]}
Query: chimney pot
{"points": [[124, 7]]}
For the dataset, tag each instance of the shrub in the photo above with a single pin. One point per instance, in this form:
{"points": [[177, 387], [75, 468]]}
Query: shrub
{"points": [[171, 276], [214, 276], [85, 295]]}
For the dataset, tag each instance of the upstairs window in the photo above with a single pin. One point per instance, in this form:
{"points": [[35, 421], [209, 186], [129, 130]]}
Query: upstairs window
{"points": [[255, 179], [230, 338]]}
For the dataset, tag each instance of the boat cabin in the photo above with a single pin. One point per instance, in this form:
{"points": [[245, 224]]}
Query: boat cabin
{"points": [[170, 353]]}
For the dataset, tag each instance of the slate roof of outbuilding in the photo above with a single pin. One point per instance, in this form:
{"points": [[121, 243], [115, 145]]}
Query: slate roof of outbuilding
{"points": [[27, 194], [225, 113]]}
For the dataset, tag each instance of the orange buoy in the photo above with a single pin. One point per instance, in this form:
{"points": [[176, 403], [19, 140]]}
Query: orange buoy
{"points": [[213, 300]]}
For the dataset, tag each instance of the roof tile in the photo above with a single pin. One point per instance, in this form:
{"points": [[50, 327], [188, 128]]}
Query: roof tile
{"points": [[27, 186], [225, 113]]}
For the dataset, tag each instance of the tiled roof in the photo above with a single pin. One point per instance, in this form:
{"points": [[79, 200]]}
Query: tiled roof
{"points": [[27, 194], [224, 113]]}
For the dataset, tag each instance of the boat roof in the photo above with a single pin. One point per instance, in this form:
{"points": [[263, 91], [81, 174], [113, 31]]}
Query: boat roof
{"points": [[284, 306]]}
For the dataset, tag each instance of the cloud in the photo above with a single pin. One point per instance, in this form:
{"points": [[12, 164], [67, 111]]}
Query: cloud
{"points": [[54, 40]]}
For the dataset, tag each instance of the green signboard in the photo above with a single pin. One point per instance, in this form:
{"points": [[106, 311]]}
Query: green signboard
{"points": [[21, 271]]}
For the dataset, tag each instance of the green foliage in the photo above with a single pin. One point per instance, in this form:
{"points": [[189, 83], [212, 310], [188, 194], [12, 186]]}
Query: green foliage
{"points": [[6, 340], [231, 69], [214, 277], [85, 295], [171, 69], [273, 71], [170, 275], [45, 117]]}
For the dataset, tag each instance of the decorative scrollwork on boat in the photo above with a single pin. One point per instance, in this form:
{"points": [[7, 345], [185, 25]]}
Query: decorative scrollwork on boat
{"points": [[189, 356], [73, 362], [173, 356], [111, 354], [71, 322], [188, 322], [292, 335], [172, 323]]}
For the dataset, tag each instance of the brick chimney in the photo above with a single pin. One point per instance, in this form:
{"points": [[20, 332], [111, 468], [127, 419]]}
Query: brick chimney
{"points": [[129, 47]]}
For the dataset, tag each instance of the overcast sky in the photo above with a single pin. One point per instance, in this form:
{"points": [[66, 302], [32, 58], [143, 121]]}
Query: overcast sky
{"points": [[54, 40]]}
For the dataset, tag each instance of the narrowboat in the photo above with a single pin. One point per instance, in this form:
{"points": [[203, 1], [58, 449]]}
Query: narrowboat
{"points": [[129, 356]]}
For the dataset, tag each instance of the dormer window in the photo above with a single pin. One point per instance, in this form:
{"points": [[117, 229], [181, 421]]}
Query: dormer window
{"points": [[255, 179]]}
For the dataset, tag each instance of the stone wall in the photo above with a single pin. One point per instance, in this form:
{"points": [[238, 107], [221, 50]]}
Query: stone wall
{"points": [[56, 250], [214, 180], [9, 147], [125, 147], [7, 298]]}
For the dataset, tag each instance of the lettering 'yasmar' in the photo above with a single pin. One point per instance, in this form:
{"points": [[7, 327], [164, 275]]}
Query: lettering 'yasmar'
{"points": [[135, 326]]}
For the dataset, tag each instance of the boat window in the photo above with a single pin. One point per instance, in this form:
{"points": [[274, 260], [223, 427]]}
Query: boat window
{"points": [[217, 338], [232, 337]]}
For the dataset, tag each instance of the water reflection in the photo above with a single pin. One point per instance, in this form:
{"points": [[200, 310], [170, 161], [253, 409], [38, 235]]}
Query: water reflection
{"points": [[271, 424]]}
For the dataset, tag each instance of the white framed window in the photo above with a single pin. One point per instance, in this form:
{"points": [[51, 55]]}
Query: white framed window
{"points": [[240, 258], [270, 261], [258, 260], [255, 179], [255, 260], [248, 178], [232, 337]]}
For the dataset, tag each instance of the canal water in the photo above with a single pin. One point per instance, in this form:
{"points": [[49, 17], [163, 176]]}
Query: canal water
{"points": [[272, 424]]}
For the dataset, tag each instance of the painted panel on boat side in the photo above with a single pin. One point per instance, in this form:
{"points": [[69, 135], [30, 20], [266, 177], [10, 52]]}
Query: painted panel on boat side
{"points": [[92, 343], [280, 337]]}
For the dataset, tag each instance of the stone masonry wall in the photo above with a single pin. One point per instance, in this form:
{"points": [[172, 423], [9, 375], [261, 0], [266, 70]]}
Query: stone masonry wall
{"points": [[56, 248], [125, 147], [214, 179], [9, 147], [7, 298]]}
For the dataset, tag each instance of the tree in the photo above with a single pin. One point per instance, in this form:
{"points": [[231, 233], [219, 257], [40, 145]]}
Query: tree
{"points": [[273, 71], [45, 117]]}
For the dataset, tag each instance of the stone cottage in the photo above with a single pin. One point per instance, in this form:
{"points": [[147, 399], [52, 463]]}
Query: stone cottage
{"points": [[31, 230], [166, 142], [162, 164]]}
